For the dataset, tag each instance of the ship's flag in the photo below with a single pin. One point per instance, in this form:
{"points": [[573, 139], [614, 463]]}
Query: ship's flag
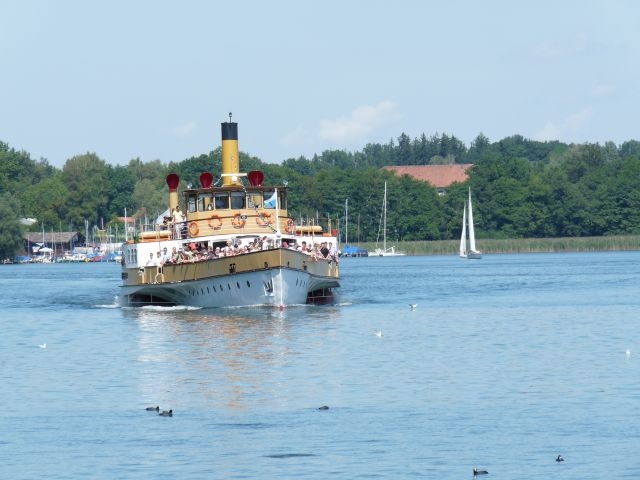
{"points": [[272, 201]]}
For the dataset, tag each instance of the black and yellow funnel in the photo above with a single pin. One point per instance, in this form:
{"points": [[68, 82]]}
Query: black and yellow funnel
{"points": [[230, 154]]}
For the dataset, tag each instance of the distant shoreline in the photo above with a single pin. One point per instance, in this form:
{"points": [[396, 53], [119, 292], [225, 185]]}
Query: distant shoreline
{"points": [[517, 245]]}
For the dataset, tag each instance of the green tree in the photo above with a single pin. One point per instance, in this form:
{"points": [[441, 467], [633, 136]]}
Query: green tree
{"points": [[86, 178], [10, 228], [122, 184], [152, 197], [47, 201]]}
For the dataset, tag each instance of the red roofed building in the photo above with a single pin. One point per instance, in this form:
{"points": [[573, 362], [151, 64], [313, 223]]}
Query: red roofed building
{"points": [[440, 176]]}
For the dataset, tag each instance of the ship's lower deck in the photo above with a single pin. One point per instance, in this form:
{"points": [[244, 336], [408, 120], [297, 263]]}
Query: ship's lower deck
{"points": [[275, 277]]}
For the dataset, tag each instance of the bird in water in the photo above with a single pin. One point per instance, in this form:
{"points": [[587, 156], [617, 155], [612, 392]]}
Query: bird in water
{"points": [[379, 333], [559, 459], [323, 407], [413, 306], [166, 413], [44, 345], [479, 472], [151, 409]]}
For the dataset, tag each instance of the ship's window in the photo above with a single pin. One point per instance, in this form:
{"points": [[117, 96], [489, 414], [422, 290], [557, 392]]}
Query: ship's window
{"points": [[254, 200], [238, 284], [191, 203], [204, 200], [237, 200], [222, 200], [248, 284], [214, 288], [221, 287]]}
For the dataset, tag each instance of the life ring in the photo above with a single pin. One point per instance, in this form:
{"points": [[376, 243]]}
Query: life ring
{"points": [[237, 221], [290, 228], [263, 219], [215, 226], [193, 229]]}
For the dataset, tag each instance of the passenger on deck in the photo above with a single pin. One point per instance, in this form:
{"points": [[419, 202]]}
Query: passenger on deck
{"points": [[333, 252], [151, 262], [175, 256], [178, 218]]}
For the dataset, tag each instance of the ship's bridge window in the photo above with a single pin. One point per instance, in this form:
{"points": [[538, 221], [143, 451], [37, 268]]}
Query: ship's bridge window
{"points": [[222, 200], [204, 200], [254, 200], [191, 203], [237, 200]]}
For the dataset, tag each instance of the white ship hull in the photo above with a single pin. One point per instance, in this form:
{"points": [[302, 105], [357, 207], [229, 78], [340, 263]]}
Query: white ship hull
{"points": [[290, 278]]}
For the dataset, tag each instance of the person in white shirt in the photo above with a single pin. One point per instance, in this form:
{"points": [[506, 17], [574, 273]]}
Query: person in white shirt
{"points": [[333, 252], [151, 262]]}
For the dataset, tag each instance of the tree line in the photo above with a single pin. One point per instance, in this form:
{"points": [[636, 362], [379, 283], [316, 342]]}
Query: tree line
{"points": [[522, 189]]}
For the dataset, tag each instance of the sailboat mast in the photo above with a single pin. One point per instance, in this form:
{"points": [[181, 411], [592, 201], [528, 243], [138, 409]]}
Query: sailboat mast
{"points": [[384, 225], [346, 221]]}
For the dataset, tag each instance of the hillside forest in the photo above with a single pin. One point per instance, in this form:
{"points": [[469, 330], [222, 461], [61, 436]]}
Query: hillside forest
{"points": [[521, 189]]}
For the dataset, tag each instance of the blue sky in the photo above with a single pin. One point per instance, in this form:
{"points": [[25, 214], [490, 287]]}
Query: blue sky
{"points": [[154, 79]]}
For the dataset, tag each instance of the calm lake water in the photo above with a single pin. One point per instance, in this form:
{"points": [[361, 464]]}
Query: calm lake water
{"points": [[505, 363]]}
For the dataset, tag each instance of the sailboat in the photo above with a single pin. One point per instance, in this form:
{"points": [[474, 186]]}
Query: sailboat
{"points": [[384, 251], [468, 237]]}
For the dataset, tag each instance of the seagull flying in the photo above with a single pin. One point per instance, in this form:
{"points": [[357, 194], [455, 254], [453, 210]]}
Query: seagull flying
{"points": [[44, 345], [379, 333], [413, 306]]}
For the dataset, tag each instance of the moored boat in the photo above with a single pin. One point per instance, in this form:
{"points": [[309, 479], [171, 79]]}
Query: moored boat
{"points": [[235, 245], [384, 251]]}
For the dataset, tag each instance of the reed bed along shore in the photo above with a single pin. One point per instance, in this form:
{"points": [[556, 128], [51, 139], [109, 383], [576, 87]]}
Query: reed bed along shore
{"points": [[519, 245]]}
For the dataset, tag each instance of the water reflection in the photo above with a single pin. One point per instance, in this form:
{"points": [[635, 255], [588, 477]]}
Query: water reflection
{"points": [[239, 356]]}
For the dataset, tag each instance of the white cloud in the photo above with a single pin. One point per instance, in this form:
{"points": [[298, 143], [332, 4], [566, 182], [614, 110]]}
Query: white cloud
{"points": [[185, 130], [360, 123], [566, 127]]}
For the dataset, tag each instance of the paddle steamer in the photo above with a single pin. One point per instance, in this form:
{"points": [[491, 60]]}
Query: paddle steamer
{"points": [[235, 245]]}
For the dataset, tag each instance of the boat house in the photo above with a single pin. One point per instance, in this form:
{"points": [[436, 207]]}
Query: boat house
{"points": [[59, 242]]}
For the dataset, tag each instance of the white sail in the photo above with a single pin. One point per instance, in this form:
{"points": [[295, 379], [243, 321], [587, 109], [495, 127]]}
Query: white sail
{"points": [[468, 248], [463, 237]]}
